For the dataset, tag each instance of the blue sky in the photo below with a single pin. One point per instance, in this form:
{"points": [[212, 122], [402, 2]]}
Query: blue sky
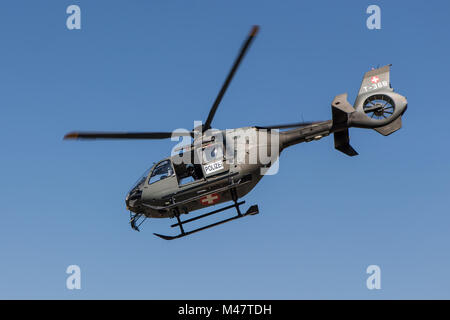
{"points": [[158, 65]]}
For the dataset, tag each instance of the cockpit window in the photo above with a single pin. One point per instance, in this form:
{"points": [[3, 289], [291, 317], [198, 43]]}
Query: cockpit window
{"points": [[161, 171], [141, 180]]}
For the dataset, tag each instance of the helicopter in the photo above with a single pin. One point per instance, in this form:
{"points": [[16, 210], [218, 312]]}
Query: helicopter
{"points": [[207, 172]]}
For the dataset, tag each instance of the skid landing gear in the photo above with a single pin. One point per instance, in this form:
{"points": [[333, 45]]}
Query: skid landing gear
{"points": [[136, 220], [251, 211]]}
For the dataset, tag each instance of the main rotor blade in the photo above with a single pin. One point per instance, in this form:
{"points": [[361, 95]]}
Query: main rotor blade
{"points": [[124, 135], [225, 85], [289, 125]]}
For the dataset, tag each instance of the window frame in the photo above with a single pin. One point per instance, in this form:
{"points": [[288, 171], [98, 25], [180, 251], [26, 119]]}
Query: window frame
{"points": [[156, 166]]}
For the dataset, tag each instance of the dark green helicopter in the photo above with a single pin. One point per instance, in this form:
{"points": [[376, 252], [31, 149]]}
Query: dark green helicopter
{"points": [[222, 166]]}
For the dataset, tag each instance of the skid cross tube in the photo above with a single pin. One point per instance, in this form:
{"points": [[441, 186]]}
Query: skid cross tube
{"points": [[207, 214], [180, 224], [251, 211], [235, 197]]}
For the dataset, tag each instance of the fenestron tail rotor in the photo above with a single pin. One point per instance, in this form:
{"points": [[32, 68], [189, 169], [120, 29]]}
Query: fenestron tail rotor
{"points": [[379, 106]]}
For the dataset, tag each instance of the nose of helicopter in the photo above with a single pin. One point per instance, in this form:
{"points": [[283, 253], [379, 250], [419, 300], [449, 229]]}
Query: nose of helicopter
{"points": [[133, 199]]}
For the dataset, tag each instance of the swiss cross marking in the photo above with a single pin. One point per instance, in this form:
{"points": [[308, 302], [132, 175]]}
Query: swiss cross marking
{"points": [[374, 79], [209, 199]]}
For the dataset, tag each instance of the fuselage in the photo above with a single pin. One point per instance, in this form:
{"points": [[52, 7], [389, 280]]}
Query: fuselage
{"points": [[204, 173]]}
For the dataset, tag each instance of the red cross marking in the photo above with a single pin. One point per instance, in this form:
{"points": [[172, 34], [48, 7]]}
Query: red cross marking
{"points": [[209, 199]]}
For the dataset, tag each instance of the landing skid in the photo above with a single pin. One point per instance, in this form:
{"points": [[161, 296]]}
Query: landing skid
{"points": [[136, 221], [251, 211]]}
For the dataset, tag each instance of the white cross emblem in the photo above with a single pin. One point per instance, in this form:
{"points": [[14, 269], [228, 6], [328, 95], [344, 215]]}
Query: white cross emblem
{"points": [[209, 199], [374, 79]]}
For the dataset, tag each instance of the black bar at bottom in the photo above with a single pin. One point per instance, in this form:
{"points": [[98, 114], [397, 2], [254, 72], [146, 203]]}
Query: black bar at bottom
{"points": [[237, 309]]}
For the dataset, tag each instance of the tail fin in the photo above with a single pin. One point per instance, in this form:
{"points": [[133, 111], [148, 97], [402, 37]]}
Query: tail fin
{"points": [[376, 80], [377, 107]]}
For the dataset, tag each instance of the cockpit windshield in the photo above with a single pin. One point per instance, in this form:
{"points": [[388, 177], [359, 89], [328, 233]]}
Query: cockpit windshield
{"points": [[161, 171], [141, 180]]}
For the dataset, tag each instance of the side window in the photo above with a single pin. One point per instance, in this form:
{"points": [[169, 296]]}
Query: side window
{"points": [[188, 173], [161, 171]]}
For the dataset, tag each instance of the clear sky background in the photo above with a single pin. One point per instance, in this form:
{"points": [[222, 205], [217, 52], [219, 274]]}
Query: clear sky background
{"points": [[157, 66]]}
